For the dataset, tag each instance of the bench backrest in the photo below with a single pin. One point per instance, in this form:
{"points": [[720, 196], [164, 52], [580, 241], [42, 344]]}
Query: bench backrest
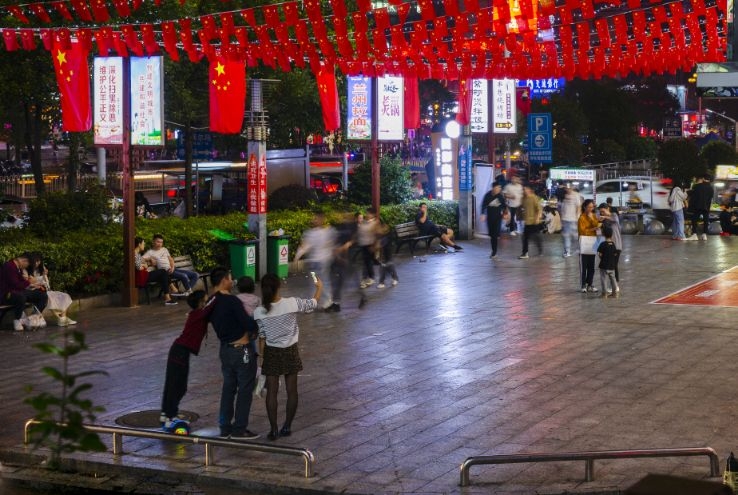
{"points": [[409, 229], [184, 262]]}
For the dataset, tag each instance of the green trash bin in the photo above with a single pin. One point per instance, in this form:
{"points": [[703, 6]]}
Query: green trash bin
{"points": [[278, 255], [243, 258]]}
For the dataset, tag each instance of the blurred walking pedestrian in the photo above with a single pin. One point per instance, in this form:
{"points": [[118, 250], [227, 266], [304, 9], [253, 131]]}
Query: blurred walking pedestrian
{"points": [[514, 197], [366, 237], [531, 214], [317, 246], [677, 203], [570, 208], [341, 269], [493, 209]]}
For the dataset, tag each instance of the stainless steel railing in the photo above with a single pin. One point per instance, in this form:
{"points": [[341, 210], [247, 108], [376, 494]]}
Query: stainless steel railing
{"points": [[209, 442], [588, 458]]}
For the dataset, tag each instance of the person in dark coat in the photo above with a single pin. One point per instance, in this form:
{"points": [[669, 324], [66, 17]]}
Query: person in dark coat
{"points": [[700, 201], [493, 209]]}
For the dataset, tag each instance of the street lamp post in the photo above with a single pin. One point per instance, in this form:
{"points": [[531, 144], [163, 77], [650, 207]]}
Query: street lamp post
{"points": [[735, 125]]}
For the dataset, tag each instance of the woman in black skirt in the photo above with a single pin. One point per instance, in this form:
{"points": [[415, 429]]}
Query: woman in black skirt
{"points": [[278, 334]]}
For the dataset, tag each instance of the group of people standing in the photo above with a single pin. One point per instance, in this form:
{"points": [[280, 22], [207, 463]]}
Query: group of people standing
{"points": [[254, 333], [698, 200], [596, 232]]}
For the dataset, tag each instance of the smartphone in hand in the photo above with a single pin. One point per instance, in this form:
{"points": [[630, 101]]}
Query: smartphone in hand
{"points": [[315, 277]]}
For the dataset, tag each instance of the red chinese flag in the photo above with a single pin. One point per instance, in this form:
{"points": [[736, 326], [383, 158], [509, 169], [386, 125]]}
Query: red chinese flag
{"points": [[328, 92], [412, 103], [73, 78], [227, 95]]}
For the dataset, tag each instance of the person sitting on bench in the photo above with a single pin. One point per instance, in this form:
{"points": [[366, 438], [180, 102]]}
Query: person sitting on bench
{"points": [[16, 290], [427, 227]]}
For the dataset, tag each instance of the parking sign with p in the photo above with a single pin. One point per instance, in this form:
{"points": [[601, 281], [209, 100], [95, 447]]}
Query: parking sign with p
{"points": [[540, 138]]}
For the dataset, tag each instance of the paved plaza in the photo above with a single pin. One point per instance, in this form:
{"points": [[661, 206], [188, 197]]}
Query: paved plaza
{"points": [[466, 356]]}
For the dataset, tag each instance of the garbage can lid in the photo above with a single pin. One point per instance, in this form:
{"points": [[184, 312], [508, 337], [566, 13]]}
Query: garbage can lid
{"points": [[222, 235], [279, 237]]}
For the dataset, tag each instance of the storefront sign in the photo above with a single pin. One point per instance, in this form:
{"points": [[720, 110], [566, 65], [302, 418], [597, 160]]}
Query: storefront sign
{"points": [[479, 109], [359, 119], [108, 100], [390, 99], [503, 106]]}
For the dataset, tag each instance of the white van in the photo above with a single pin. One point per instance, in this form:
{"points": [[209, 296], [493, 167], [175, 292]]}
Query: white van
{"points": [[651, 192]]}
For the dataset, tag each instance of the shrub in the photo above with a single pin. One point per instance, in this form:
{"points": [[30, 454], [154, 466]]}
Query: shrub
{"points": [[290, 197], [61, 212], [396, 186]]}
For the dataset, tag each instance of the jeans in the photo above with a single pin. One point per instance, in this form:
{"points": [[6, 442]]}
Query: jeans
{"points": [[588, 269], [534, 232], [18, 300], [677, 226], [604, 276], [238, 387], [188, 278], [568, 232], [175, 383], [705, 220]]}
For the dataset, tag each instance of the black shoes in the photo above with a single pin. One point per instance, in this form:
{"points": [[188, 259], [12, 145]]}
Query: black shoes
{"points": [[273, 435], [333, 308], [246, 435], [285, 431]]}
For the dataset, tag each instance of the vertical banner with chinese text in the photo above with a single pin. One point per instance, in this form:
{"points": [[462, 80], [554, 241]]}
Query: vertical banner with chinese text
{"points": [[147, 95], [390, 102], [256, 177], [108, 100], [504, 111], [359, 119], [480, 110]]}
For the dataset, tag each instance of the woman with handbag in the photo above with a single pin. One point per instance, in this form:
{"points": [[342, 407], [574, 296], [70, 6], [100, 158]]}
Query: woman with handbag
{"points": [[58, 302], [587, 227], [278, 334], [146, 274]]}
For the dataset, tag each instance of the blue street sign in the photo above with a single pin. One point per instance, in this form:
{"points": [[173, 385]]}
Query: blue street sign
{"points": [[540, 138], [202, 145]]}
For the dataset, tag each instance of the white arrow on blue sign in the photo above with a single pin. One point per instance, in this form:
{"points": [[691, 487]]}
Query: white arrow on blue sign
{"points": [[540, 138]]}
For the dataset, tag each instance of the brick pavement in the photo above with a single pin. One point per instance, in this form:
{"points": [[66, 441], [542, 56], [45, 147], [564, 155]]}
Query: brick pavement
{"points": [[466, 356]]}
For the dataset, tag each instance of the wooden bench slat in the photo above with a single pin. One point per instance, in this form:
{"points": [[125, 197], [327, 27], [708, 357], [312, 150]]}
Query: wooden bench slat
{"points": [[409, 233]]}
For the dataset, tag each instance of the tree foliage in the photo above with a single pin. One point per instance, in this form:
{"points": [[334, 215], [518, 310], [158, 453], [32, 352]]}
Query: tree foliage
{"points": [[395, 183], [679, 160], [638, 148], [718, 152]]}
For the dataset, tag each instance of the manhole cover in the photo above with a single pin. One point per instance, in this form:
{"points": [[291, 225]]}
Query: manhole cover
{"points": [[149, 419]]}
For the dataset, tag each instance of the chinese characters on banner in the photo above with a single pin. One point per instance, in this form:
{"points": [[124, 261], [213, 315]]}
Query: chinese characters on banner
{"points": [[504, 110], [257, 183], [543, 87], [479, 109], [390, 100], [146, 101], [108, 106], [359, 119]]}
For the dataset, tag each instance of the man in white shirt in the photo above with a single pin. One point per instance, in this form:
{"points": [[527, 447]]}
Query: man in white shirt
{"points": [[513, 192], [158, 256]]}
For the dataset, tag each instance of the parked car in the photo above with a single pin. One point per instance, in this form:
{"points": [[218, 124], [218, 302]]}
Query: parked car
{"points": [[653, 193]]}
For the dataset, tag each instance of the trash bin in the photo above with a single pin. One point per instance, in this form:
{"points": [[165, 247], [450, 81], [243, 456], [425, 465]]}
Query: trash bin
{"points": [[243, 258], [278, 255]]}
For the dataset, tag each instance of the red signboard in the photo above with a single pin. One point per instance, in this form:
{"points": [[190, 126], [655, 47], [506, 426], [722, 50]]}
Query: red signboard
{"points": [[720, 290], [252, 176], [263, 184]]}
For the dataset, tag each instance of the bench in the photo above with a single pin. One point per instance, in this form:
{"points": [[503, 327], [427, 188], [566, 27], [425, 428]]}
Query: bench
{"points": [[183, 263], [408, 233]]}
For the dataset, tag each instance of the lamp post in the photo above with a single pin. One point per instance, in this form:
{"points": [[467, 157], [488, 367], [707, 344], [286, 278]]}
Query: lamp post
{"points": [[735, 125]]}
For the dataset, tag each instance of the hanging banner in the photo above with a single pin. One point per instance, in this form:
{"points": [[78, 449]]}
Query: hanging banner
{"points": [[390, 99], [359, 119], [480, 110], [108, 100], [147, 96], [504, 111]]}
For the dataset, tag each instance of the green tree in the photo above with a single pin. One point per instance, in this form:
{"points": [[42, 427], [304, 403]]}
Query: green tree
{"points": [[395, 183], [679, 160], [718, 152], [294, 108], [566, 150], [607, 151], [638, 148], [608, 108]]}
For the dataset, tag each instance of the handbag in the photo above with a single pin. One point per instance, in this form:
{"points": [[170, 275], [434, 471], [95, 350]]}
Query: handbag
{"points": [[588, 244], [34, 321], [142, 278]]}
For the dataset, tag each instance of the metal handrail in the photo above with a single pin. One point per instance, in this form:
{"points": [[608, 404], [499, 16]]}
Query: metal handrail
{"points": [[588, 458], [209, 442]]}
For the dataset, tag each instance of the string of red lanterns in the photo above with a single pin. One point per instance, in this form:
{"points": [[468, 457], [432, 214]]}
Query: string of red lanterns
{"points": [[480, 42]]}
